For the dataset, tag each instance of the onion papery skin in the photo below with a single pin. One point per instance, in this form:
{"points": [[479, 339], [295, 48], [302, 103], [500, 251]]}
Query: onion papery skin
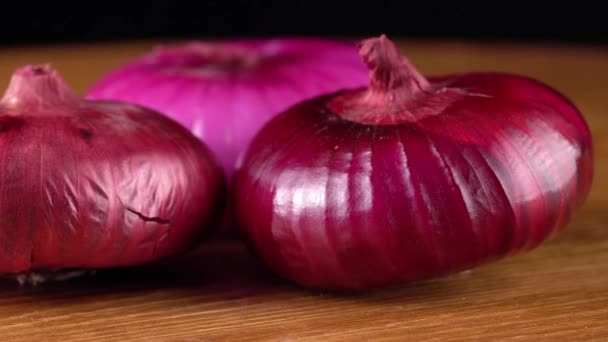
{"points": [[224, 91], [96, 184], [411, 178]]}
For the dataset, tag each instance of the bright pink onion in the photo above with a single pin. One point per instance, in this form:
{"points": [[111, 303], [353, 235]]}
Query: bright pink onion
{"points": [[411, 178], [87, 185], [225, 91]]}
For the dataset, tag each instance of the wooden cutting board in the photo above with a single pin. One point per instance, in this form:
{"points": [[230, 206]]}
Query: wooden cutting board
{"points": [[558, 292]]}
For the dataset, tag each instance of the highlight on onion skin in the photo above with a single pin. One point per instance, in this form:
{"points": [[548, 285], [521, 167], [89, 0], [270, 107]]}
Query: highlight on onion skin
{"points": [[224, 91], [411, 178], [96, 184]]}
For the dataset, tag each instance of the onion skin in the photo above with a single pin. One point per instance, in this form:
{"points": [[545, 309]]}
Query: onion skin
{"points": [[92, 184], [224, 91], [411, 178]]}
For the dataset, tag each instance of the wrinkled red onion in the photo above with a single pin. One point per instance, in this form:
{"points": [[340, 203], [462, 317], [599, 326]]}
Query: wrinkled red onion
{"points": [[411, 178], [87, 184], [225, 91]]}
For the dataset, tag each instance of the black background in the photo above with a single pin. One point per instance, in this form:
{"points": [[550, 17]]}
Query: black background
{"points": [[48, 23]]}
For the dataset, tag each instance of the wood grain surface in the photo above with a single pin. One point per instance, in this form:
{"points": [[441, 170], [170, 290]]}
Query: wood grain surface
{"points": [[559, 292]]}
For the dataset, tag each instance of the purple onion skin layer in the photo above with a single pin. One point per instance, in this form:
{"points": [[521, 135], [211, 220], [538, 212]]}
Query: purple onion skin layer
{"points": [[358, 191], [225, 91], [87, 184]]}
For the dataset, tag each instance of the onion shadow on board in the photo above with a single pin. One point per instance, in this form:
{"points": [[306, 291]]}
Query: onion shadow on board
{"points": [[217, 269]]}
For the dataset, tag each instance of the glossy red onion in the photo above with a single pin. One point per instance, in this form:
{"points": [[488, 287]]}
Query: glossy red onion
{"points": [[224, 91], [411, 178], [87, 184]]}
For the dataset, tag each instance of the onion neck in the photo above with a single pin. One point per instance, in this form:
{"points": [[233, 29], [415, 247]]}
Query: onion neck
{"points": [[37, 85], [208, 58], [391, 74], [397, 92]]}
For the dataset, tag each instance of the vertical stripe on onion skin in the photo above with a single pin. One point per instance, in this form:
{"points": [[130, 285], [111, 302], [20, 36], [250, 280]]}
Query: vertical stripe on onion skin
{"points": [[421, 177], [96, 184]]}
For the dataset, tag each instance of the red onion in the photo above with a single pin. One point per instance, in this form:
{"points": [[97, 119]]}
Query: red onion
{"points": [[86, 184], [411, 178], [225, 91]]}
